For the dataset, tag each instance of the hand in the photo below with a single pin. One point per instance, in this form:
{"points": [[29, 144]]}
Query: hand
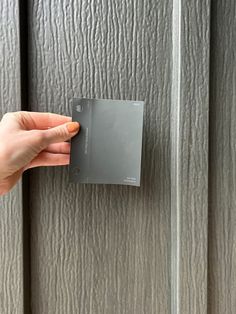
{"points": [[32, 139]]}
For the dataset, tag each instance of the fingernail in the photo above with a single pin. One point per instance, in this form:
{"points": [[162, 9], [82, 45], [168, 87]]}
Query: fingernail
{"points": [[73, 127]]}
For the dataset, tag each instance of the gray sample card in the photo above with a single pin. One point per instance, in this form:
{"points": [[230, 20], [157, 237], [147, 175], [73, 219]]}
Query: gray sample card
{"points": [[108, 148]]}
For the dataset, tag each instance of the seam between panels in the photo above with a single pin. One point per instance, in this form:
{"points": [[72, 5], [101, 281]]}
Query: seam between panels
{"points": [[177, 29], [175, 117], [209, 150], [23, 34]]}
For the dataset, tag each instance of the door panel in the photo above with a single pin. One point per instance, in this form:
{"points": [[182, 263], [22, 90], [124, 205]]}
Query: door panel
{"points": [[11, 248], [97, 248]]}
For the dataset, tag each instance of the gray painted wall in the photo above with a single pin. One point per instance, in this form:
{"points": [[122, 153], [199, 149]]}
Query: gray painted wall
{"points": [[167, 247]]}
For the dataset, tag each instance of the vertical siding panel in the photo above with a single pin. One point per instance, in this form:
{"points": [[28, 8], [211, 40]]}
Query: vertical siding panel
{"points": [[222, 196], [102, 249]]}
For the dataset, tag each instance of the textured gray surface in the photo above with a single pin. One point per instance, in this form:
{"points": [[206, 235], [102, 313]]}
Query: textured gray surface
{"points": [[222, 197], [11, 256], [102, 249], [189, 169], [109, 249]]}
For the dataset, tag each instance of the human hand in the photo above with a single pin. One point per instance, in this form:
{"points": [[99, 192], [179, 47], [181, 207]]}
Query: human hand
{"points": [[32, 139]]}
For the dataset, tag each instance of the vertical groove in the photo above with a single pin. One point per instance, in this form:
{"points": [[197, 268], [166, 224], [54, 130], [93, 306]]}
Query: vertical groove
{"points": [[23, 11], [175, 117], [211, 52], [209, 154], [189, 155]]}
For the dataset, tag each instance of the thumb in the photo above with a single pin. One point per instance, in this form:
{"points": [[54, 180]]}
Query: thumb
{"points": [[7, 184], [61, 133]]}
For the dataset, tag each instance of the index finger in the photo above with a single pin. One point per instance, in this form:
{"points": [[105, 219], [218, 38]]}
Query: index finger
{"points": [[42, 120]]}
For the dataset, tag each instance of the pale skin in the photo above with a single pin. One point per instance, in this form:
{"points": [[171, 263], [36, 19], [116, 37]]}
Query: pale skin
{"points": [[32, 139]]}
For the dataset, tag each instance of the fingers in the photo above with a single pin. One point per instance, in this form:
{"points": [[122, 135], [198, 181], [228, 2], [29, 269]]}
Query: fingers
{"points": [[58, 148], [40, 139], [44, 128], [49, 159], [40, 120], [60, 133]]}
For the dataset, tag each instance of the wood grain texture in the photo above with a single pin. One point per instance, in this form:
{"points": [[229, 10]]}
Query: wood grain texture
{"points": [[222, 196], [11, 255], [189, 167], [102, 249]]}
